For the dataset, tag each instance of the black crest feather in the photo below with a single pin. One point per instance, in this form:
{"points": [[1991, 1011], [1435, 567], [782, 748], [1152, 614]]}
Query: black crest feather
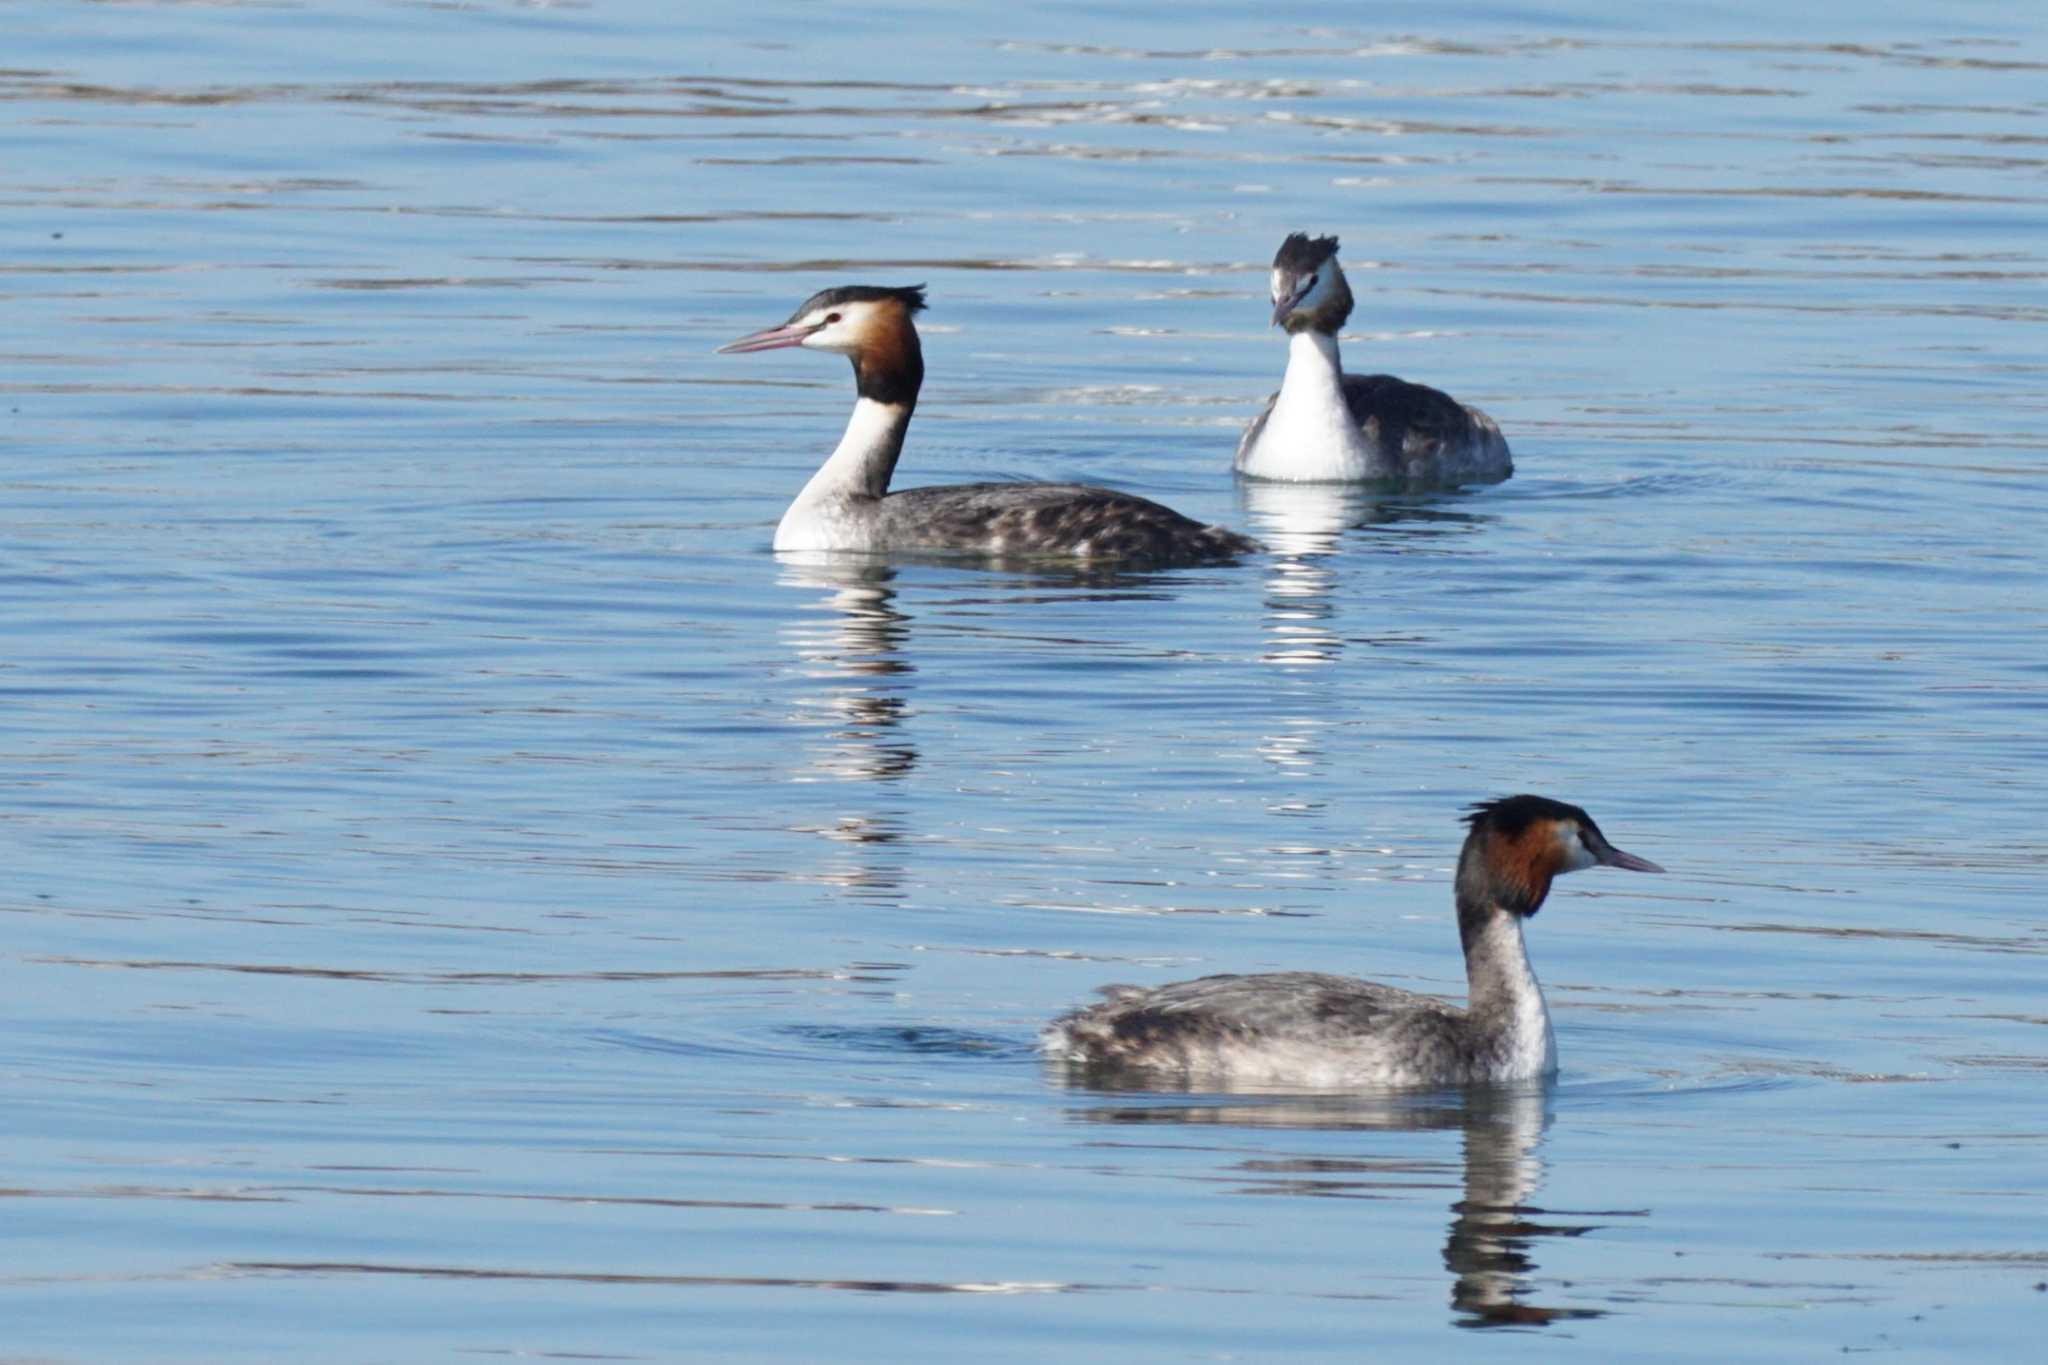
{"points": [[911, 296], [1301, 253], [1510, 815]]}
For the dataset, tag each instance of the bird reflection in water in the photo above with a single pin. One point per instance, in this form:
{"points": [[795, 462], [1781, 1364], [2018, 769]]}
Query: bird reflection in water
{"points": [[857, 677], [1305, 526], [1493, 1226], [858, 652]]}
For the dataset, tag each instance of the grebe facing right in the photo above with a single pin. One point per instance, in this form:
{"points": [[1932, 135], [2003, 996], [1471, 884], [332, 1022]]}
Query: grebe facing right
{"points": [[847, 504], [1313, 1029], [1326, 426]]}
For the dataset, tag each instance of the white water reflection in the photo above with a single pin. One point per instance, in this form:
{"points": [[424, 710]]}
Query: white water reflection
{"points": [[853, 643], [1302, 525]]}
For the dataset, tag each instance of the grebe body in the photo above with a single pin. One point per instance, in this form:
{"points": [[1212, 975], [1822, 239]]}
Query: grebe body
{"points": [[1326, 426], [1317, 1030], [847, 505]]}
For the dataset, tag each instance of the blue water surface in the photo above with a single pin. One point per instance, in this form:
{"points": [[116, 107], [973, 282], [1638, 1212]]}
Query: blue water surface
{"points": [[471, 898]]}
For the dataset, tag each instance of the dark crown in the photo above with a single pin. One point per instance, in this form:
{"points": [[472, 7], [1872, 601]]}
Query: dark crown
{"points": [[1301, 253], [911, 296], [1510, 815]]}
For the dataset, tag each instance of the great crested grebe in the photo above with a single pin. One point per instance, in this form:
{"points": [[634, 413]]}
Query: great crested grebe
{"points": [[1326, 426], [1313, 1029], [847, 504]]}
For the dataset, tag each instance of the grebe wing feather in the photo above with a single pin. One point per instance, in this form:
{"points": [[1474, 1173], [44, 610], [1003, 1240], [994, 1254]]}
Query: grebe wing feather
{"points": [[1416, 421], [1269, 1005], [1065, 519]]}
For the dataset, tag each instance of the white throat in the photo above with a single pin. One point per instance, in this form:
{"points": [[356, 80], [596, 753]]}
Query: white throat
{"points": [[1505, 992], [837, 509], [1310, 435]]}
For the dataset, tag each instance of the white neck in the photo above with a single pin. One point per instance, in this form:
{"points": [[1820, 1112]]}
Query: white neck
{"points": [[1504, 995], [835, 509], [1310, 434]]}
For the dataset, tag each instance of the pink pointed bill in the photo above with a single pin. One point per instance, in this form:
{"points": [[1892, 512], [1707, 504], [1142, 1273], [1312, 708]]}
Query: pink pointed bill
{"points": [[768, 339], [1284, 306], [1611, 856]]}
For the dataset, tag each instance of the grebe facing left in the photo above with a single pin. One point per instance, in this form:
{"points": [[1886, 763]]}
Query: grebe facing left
{"points": [[847, 504], [1326, 426], [1312, 1029]]}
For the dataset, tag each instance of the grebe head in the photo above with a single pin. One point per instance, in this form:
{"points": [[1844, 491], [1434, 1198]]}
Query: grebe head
{"points": [[1309, 291], [1519, 844], [868, 323]]}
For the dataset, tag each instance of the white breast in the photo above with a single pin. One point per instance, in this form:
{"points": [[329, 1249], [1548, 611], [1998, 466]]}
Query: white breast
{"points": [[837, 509], [1309, 435]]}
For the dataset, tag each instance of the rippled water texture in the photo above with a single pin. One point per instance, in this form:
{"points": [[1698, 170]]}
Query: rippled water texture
{"points": [[471, 899]]}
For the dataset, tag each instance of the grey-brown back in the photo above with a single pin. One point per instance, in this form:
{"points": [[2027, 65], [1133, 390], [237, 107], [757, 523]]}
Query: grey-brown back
{"points": [[1179, 1027], [1051, 519]]}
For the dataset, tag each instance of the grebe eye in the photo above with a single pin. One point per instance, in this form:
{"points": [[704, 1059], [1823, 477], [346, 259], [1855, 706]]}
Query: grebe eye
{"points": [[831, 318]]}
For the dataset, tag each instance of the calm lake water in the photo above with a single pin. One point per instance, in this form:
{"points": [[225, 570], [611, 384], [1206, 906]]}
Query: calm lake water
{"points": [[471, 899]]}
